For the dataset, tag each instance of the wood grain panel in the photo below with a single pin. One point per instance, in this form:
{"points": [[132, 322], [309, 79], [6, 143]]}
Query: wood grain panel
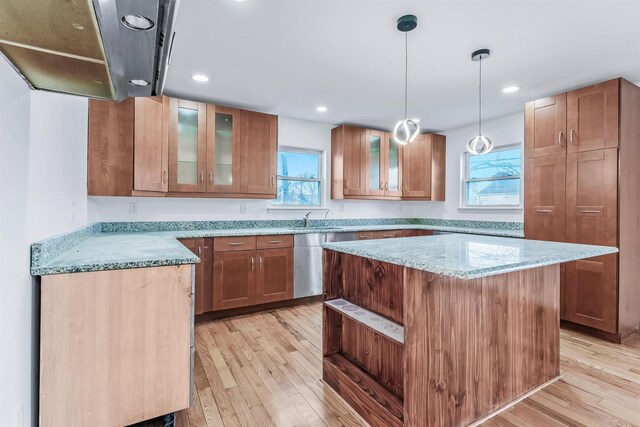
{"points": [[259, 149], [545, 128], [110, 148], [103, 345], [234, 279], [151, 144], [274, 280], [544, 201], [276, 241], [629, 206], [416, 168], [473, 346], [438, 167], [240, 243], [377, 405], [375, 187], [379, 356], [337, 163], [354, 148], [202, 303], [592, 117]]}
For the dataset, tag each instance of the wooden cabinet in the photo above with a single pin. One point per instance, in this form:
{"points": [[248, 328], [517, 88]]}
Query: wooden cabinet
{"points": [[223, 150], [258, 136], [544, 204], [423, 170], [274, 278], [159, 146], [203, 248], [368, 164], [592, 117], [592, 215], [546, 126], [250, 270], [187, 146], [234, 279], [128, 147], [589, 195]]}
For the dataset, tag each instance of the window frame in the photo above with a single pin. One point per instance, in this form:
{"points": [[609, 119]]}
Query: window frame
{"points": [[465, 180], [320, 179]]}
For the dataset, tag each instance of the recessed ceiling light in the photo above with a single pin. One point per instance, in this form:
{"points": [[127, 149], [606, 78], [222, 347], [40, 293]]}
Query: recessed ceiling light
{"points": [[200, 78], [138, 82], [137, 22], [77, 26], [511, 89], [321, 109]]}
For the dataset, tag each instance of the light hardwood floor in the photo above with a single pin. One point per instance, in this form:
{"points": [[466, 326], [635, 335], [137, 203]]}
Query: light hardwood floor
{"points": [[265, 370]]}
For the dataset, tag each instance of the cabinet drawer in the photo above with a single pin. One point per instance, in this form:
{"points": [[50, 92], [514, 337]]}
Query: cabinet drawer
{"points": [[267, 242], [364, 235], [229, 244]]}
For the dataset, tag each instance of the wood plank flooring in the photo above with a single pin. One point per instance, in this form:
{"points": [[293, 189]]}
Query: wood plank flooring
{"points": [[265, 369]]}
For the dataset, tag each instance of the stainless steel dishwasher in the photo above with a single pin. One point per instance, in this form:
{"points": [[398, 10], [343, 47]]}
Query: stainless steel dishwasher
{"points": [[307, 261]]}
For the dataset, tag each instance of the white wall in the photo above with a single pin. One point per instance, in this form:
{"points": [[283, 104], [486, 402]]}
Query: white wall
{"points": [[42, 170], [291, 133], [507, 130]]}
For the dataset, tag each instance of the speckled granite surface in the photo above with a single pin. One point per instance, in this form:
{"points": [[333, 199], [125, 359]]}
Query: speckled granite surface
{"points": [[467, 256], [117, 245]]}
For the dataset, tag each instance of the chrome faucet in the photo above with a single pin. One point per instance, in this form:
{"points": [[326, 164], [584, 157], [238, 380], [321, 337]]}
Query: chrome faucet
{"points": [[306, 220]]}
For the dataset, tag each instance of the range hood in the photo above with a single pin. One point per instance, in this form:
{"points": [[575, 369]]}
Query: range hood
{"points": [[90, 47]]}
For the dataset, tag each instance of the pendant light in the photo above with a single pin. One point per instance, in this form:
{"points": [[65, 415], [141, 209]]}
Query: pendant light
{"points": [[406, 130], [480, 144]]}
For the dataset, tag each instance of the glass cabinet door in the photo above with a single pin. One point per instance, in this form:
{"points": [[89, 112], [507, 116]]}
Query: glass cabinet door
{"points": [[223, 154], [394, 175], [376, 163], [187, 146]]}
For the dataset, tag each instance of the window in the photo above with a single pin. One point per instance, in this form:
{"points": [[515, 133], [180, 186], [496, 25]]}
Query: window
{"points": [[299, 177], [493, 179]]}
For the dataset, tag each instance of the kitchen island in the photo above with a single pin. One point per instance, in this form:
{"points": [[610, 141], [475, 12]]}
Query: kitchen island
{"points": [[442, 330]]}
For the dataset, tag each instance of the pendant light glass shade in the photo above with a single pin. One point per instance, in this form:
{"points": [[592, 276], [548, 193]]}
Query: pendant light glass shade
{"points": [[406, 131], [480, 144]]}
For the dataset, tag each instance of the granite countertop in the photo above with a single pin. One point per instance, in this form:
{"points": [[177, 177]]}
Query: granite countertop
{"points": [[93, 249], [468, 256]]}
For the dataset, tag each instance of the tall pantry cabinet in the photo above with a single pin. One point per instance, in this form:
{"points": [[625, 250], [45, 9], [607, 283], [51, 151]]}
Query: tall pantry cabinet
{"points": [[582, 168]]}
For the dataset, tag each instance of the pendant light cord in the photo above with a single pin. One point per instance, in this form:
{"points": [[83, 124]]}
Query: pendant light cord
{"points": [[406, 71], [480, 99]]}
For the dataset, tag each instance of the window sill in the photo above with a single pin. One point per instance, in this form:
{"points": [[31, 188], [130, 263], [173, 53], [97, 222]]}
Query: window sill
{"points": [[297, 208], [490, 208]]}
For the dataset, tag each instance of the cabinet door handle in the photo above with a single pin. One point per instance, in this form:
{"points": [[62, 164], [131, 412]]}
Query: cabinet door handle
{"points": [[234, 243], [164, 176], [571, 136], [381, 185], [253, 263], [201, 176], [386, 186], [261, 263], [210, 177], [272, 179], [560, 138], [275, 241], [199, 251], [346, 183]]}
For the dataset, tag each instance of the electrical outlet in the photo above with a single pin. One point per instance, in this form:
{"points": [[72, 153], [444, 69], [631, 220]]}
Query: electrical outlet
{"points": [[133, 208], [72, 217]]}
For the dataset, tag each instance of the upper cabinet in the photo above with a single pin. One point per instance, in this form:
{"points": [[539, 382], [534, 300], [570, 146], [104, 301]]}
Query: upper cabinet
{"points": [[258, 138], [128, 147], [369, 164], [170, 147], [546, 126], [581, 120], [187, 146], [592, 117]]}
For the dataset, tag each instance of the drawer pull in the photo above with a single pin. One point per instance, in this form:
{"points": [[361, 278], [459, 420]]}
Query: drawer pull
{"points": [[589, 211], [544, 210], [364, 237], [275, 241], [235, 243], [387, 235]]}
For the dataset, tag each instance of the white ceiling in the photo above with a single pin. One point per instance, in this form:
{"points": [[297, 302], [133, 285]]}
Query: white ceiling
{"points": [[288, 56]]}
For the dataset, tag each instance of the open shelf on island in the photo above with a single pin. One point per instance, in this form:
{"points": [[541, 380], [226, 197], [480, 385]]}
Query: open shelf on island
{"points": [[369, 319]]}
